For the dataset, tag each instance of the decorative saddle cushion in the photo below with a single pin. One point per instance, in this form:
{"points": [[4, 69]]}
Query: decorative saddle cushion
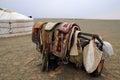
{"points": [[48, 35], [61, 40], [51, 26], [66, 27]]}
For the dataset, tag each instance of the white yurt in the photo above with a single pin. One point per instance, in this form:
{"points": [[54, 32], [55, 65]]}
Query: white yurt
{"points": [[14, 24]]}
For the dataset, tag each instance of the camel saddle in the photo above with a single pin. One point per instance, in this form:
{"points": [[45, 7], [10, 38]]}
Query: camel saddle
{"points": [[36, 35], [62, 37], [48, 37]]}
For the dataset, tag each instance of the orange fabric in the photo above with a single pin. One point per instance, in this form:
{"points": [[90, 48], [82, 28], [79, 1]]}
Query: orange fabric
{"points": [[35, 30], [36, 34]]}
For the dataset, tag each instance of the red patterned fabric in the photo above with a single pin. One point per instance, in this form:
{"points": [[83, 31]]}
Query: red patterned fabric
{"points": [[62, 38]]}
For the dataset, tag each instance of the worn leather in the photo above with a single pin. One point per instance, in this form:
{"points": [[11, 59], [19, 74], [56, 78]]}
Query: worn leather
{"points": [[36, 35]]}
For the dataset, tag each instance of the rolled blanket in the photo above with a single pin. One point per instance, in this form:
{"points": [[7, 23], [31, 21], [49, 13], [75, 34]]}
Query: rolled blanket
{"points": [[107, 49]]}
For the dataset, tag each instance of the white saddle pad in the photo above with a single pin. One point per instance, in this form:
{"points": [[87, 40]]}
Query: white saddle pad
{"points": [[74, 49], [91, 57], [49, 26]]}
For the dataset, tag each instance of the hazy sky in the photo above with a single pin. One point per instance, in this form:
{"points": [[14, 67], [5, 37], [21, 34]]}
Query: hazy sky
{"points": [[101, 9]]}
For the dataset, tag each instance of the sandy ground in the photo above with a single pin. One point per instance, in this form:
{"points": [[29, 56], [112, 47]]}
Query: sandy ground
{"points": [[19, 59]]}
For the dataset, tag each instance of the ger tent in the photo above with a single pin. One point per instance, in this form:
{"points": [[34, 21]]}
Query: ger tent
{"points": [[13, 23]]}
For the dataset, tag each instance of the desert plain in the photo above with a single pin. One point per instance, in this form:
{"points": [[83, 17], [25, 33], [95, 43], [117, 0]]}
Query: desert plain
{"points": [[19, 59]]}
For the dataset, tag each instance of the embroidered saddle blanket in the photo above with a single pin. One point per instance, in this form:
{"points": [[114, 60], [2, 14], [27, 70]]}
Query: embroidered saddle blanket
{"points": [[62, 38], [54, 37], [48, 37], [36, 35]]}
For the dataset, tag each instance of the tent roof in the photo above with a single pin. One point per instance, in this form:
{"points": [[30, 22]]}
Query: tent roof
{"points": [[8, 15]]}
